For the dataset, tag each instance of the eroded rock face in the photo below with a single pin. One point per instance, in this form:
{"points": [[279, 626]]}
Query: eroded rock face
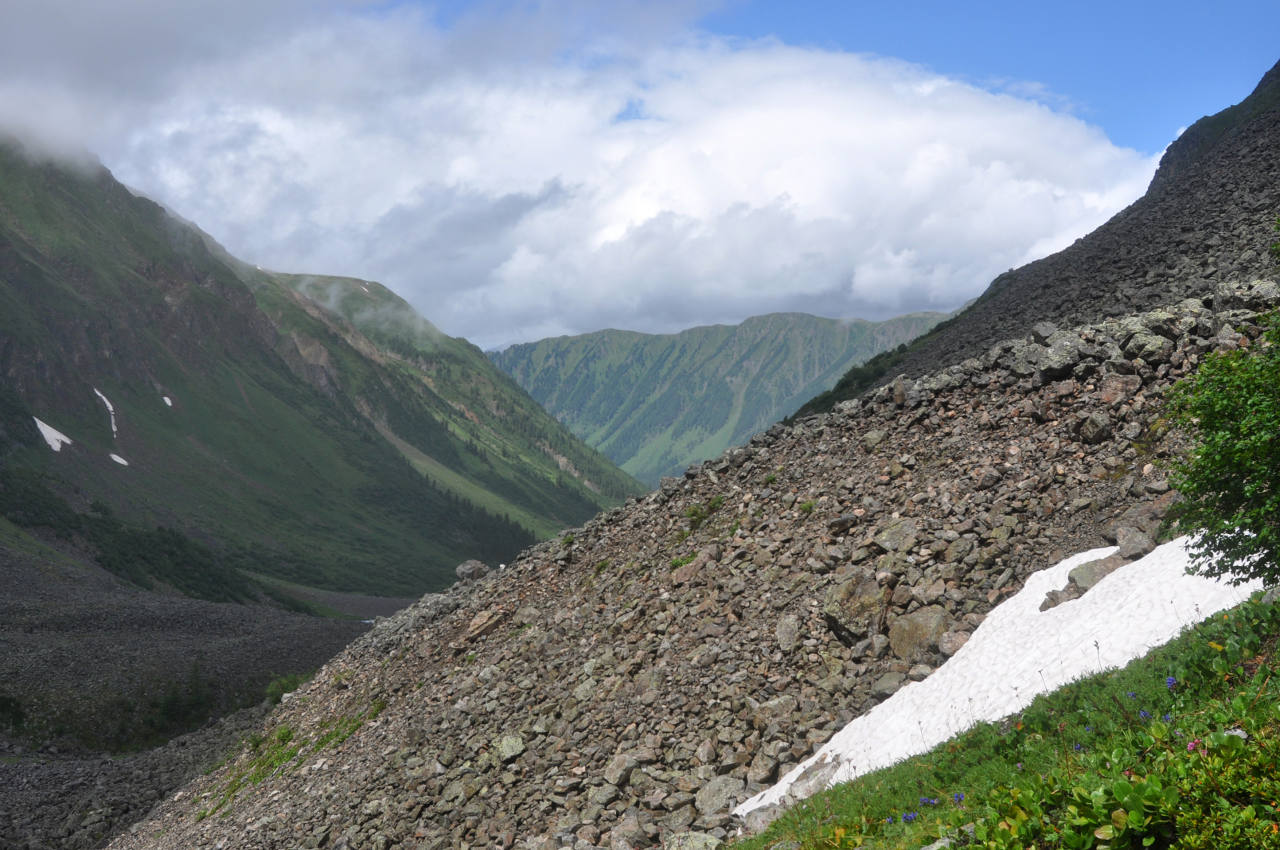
{"points": [[649, 697]]}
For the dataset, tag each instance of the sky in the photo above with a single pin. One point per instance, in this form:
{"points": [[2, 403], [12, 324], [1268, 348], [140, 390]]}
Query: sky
{"points": [[519, 170]]}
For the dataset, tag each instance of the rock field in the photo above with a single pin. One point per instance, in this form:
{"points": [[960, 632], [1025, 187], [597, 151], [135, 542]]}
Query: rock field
{"points": [[634, 679]]}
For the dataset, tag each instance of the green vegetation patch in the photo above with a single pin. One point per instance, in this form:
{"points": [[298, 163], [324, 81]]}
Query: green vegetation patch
{"points": [[1179, 749], [1230, 479], [285, 750]]}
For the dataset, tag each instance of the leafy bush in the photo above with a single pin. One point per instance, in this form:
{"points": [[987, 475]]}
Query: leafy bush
{"points": [[1230, 480], [281, 685]]}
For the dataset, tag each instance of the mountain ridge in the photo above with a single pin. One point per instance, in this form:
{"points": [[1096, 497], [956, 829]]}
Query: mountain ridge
{"points": [[107, 297], [632, 679], [1207, 216], [227, 440], [655, 403]]}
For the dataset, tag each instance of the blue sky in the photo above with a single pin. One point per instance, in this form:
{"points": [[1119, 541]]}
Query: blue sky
{"points": [[1140, 70], [843, 159]]}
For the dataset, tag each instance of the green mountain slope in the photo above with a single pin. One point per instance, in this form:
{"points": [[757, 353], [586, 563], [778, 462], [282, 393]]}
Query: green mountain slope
{"points": [[656, 403], [255, 421]]}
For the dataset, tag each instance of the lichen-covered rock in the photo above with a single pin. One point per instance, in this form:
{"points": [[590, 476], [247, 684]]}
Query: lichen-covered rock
{"points": [[916, 634]]}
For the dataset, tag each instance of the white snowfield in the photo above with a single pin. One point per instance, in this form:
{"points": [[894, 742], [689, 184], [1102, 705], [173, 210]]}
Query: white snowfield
{"points": [[1017, 653], [110, 410], [119, 460], [55, 438], [168, 402]]}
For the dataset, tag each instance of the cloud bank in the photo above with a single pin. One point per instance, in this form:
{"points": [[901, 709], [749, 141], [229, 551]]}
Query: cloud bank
{"points": [[515, 177]]}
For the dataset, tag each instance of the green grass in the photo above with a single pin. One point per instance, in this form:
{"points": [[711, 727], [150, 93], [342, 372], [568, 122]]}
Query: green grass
{"points": [[656, 403], [285, 749], [1146, 756], [271, 454]]}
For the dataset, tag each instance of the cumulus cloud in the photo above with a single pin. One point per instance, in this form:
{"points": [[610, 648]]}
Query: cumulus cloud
{"points": [[516, 177]]}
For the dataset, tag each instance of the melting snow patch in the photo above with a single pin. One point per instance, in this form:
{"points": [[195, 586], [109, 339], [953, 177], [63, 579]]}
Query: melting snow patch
{"points": [[120, 460], [1017, 653], [52, 436], [167, 401], [110, 410]]}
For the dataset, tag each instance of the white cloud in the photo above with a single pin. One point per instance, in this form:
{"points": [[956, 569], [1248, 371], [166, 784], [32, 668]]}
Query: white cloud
{"points": [[515, 186]]}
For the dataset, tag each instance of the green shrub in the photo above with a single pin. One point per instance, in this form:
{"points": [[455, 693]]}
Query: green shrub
{"points": [[281, 685], [1230, 479]]}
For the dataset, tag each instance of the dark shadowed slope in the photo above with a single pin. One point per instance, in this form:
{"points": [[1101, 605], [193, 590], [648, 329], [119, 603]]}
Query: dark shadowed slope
{"points": [[1207, 216]]}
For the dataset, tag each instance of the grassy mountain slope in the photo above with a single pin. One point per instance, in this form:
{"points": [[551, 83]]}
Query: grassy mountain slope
{"points": [[515, 458], [252, 419], [656, 403]]}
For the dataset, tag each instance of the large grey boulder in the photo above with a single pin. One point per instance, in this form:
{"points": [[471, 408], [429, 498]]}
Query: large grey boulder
{"points": [[471, 570], [853, 608], [915, 634]]}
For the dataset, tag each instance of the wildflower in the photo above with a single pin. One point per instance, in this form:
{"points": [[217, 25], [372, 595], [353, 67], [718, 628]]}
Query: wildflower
{"points": [[909, 817], [1131, 695], [1166, 717], [1192, 746], [1170, 682], [1077, 748], [928, 801], [1088, 728], [889, 819], [958, 796], [1144, 714]]}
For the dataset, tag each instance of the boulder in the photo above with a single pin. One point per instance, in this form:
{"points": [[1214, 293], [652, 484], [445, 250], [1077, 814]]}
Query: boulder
{"points": [[853, 608], [898, 536], [1133, 542], [691, 841], [788, 632], [471, 570], [1090, 573], [914, 634], [718, 794], [1096, 427], [887, 685]]}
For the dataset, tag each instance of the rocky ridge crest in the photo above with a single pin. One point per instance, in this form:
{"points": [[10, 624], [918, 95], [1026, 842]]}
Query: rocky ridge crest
{"points": [[637, 677], [1205, 219]]}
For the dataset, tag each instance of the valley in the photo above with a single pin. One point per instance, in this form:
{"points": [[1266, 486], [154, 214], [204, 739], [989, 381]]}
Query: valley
{"points": [[656, 404], [284, 565]]}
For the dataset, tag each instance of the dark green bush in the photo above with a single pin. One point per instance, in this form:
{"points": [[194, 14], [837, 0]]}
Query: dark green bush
{"points": [[1230, 479]]}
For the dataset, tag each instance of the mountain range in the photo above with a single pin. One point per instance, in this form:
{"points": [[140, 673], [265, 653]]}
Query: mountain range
{"points": [[626, 683], [312, 430], [656, 403], [180, 430]]}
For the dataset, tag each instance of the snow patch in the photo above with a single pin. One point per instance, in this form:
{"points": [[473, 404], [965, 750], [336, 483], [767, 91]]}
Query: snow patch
{"points": [[55, 438], [110, 410], [120, 460], [1017, 653], [168, 401]]}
